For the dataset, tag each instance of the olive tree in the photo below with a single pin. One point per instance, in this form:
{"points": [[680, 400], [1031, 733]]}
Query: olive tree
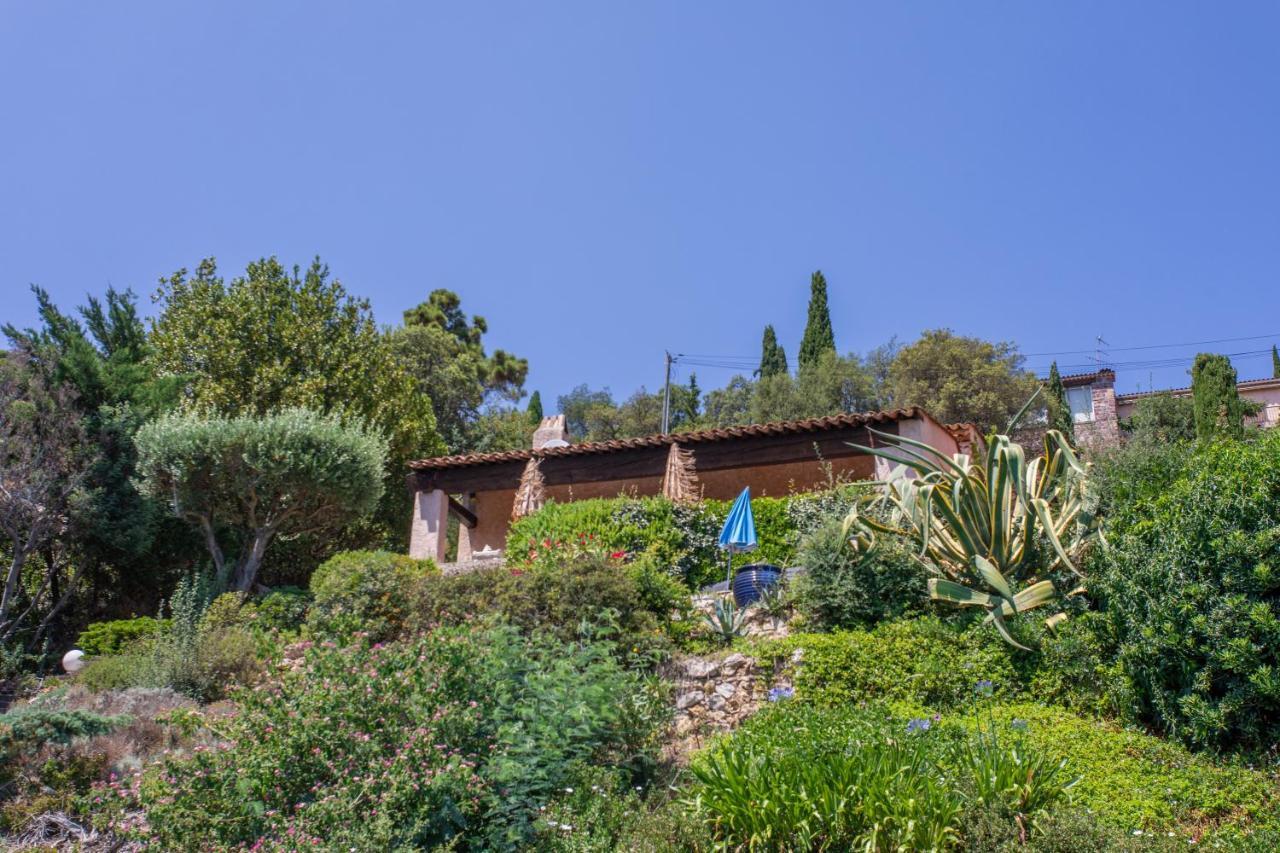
{"points": [[245, 480]]}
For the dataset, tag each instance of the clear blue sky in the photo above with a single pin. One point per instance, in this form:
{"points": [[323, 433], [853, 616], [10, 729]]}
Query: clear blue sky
{"points": [[604, 181]]}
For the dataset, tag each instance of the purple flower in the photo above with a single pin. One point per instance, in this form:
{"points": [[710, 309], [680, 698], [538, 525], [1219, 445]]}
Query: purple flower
{"points": [[984, 687], [920, 724], [777, 694]]}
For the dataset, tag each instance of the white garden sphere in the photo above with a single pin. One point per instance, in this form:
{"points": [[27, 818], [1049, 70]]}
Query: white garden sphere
{"points": [[73, 661]]}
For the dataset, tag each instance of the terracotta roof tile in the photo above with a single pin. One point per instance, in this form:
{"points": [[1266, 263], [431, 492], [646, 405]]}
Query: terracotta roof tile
{"points": [[1245, 385], [693, 437]]}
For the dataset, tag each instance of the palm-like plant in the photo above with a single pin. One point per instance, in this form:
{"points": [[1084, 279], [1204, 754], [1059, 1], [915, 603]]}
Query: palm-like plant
{"points": [[982, 523]]}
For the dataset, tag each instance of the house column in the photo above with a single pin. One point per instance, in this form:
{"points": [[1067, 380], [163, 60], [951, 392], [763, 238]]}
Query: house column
{"points": [[428, 535]]}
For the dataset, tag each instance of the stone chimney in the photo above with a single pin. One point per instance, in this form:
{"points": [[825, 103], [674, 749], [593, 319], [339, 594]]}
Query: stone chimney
{"points": [[551, 432]]}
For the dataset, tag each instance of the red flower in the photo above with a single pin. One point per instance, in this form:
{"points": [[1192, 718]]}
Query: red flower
{"points": [[617, 555]]}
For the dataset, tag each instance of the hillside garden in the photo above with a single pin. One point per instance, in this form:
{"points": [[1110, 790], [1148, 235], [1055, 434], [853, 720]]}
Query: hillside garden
{"points": [[1021, 651]]}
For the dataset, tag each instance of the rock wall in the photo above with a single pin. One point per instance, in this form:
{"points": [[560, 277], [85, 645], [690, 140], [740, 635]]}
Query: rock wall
{"points": [[714, 695]]}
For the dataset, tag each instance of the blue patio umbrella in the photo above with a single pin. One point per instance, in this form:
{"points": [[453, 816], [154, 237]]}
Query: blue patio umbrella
{"points": [[739, 532]]}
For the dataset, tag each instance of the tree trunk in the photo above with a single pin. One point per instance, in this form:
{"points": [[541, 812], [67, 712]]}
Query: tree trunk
{"points": [[249, 563]]}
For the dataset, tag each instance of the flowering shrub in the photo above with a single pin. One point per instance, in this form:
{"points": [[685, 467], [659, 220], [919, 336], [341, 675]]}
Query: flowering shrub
{"points": [[459, 734]]}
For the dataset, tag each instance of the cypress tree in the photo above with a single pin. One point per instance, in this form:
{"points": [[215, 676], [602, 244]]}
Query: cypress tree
{"points": [[818, 336], [1275, 363], [773, 358], [535, 408], [1218, 408], [1059, 409]]}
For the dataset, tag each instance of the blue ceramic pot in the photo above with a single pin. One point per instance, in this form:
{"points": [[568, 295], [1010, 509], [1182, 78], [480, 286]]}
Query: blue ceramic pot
{"points": [[751, 581]]}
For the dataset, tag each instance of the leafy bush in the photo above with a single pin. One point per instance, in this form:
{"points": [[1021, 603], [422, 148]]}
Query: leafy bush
{"points": [[111, 638], [461, 734], [208, 649], [681, 538], [842, 588], [366, 592], [632, 603], [284, 609], [924, 662], [1191, 586]]}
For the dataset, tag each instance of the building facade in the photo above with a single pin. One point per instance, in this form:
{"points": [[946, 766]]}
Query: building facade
{"points": [[772, 459]]}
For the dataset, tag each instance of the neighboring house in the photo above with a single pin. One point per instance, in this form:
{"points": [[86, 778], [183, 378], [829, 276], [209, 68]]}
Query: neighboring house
{"points": [[1098, 410], [773, 459], [1264, 392]]}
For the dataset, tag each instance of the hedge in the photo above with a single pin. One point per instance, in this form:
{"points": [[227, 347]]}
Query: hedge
{"points": [[683, 537]]}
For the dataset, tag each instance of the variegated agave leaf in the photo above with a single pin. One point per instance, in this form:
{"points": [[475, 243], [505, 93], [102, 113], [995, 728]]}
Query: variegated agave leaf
{"points": [[977, 520]]}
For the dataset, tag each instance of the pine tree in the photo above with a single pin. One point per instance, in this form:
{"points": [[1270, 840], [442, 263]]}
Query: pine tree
{"points": [[1218, 407], [535, 408], [1059, 409], [818, 336], [1275, 362], [773, 358]]}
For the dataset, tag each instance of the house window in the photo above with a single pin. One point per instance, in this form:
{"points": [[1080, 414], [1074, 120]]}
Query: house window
{"points": [[1081, 402]]}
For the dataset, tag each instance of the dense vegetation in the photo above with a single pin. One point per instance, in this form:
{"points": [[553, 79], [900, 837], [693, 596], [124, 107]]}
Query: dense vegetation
{"points": [[210, 508]]}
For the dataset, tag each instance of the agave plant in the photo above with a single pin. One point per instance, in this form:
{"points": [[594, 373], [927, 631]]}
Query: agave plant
{"points": [[983, 523], [727, 620]]}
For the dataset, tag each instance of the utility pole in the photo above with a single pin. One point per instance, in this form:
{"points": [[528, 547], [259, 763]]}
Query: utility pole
{"points": [[666, 397]]}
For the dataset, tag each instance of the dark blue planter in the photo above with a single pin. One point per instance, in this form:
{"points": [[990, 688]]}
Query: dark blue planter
{"points": [[751, 581]]}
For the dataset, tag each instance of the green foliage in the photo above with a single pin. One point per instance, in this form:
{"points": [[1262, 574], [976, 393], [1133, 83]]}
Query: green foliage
{"points": [[585, 595], [456, 736], [284, 609], [791, 780], [1161, 419], [1060, 417], [111, 638], [275, 339], [369, 593], [830, 385], [1219, 410], [678, 537], [534, 409], [923, 662], [818, 335], [773, 358], [602, 814], [122, 541], [1275, 362], [961, 380], [1133, 781], [1192, 592], [283, 474], [726, 621], [845, 588]]}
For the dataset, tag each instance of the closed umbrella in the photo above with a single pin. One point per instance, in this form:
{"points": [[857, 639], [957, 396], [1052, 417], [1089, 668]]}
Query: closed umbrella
{"points": [[739, 532]]}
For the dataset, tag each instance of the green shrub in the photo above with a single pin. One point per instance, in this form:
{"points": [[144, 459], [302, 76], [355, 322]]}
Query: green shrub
{"points": [[284, 609], [120, 672], [632, 604], [924, 662], [842, 588], [111, 638], [25, 730], [456, 736], [1191, 587], [365, 592], [682, 539], [207, 650]]}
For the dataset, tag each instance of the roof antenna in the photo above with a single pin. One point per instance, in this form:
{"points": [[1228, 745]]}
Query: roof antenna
{"points": [[1100, 354]]}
